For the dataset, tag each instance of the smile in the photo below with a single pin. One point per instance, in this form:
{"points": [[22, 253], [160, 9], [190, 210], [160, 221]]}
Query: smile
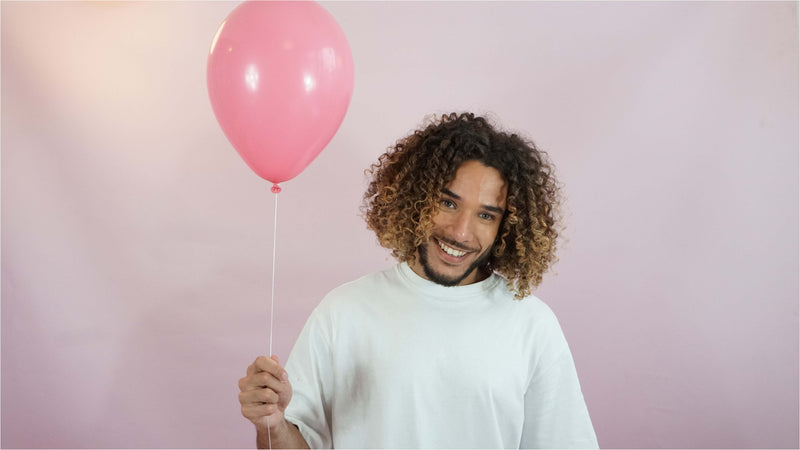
{"points": [[450, 250]]}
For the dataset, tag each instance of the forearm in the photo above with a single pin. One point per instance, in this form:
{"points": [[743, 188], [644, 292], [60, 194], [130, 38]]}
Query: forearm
{"points": [[286, 435]]}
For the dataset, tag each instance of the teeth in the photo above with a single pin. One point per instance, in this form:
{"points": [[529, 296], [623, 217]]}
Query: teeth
{"points": [[450, 251]]}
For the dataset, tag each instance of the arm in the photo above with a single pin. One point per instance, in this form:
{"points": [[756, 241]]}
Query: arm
{"points": [[284, 435], [556, 415], [265, 392]]}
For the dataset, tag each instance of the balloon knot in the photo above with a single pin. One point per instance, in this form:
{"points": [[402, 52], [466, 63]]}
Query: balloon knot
{"points": [[276, 189]]}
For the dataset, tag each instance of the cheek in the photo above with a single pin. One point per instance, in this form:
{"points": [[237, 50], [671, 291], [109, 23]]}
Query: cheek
{"points": [[489, 235], [440, 221]]}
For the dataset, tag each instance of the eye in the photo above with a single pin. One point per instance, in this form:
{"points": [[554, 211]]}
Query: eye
{"points": [[448, 203], [486, 216]]}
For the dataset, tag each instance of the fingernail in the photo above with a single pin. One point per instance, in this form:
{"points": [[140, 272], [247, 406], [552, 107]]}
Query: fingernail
{"points": [[285, 376]]}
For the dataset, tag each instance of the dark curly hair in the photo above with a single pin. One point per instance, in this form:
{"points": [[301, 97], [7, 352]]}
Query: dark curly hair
{"points": [[408, 179]]}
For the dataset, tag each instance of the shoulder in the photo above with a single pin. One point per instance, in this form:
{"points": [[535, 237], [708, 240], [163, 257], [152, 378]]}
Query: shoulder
{"points": [[535, 309], [530, 318], [530, 307], [361, 286], [356, 293]]}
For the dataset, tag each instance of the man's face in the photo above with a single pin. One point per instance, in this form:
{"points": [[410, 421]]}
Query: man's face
{"points": [[465, 227]]}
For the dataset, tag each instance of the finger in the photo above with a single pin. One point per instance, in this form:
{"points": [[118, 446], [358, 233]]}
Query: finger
{"points": [[251, 382], [264, 364], [270, 365], [262, 380], [260, 396], [254, 412], [251, 369]]}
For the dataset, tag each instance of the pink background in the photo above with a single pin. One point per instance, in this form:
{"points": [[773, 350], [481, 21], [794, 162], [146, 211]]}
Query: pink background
{"points": [[137, 246]]}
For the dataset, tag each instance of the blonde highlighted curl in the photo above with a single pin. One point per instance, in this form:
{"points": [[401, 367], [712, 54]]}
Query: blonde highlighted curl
{"points": [[408, 179]]}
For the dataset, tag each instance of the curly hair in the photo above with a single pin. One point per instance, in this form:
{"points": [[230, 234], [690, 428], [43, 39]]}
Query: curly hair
{"points": [[407, 181]]}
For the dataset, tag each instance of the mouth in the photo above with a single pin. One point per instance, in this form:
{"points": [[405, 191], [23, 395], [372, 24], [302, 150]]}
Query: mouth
{"points": [[450, 250]]}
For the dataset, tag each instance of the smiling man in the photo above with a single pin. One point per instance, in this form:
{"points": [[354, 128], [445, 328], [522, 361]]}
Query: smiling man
{"points": [[447, 349], [465, 228]]}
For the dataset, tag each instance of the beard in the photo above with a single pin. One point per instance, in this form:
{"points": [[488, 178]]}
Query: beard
{"points": [[479, 264]]}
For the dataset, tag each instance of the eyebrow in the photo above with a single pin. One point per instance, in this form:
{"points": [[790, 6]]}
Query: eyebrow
{"points": [[491, 208]]}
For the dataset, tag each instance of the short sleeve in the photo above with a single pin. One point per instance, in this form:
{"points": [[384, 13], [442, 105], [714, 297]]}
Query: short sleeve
{"points": [[309, 369], [555, 411]]}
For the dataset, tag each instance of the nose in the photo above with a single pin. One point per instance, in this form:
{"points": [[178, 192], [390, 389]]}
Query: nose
{"points": [[461, 227]]}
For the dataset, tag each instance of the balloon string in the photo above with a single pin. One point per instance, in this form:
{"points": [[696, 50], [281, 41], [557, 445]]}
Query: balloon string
{"points": [[269, 435], [272, 298], [272, 301]]}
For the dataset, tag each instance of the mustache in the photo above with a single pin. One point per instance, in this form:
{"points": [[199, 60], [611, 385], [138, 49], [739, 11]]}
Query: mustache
{"points": [[455, 244]]}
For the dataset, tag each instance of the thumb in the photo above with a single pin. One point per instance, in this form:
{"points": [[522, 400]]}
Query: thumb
{"points": [[275, 358]]}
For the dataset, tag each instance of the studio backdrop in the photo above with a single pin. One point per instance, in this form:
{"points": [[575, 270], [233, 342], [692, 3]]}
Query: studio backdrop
{"points": [[137, 245]]}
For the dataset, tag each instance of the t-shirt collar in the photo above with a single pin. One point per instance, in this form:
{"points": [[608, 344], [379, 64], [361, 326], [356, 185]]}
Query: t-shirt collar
{"points": [[457, 293]]}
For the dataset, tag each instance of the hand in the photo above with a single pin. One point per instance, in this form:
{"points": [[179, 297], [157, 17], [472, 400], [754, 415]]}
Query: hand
{"points": [[265, 393]]}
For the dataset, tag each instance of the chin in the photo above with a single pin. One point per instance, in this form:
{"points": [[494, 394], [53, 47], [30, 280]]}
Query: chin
{"points": [[444, 280], [447, 279]]}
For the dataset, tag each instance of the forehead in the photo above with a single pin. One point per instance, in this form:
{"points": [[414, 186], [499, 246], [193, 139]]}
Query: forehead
{"points": [[475, 182]]}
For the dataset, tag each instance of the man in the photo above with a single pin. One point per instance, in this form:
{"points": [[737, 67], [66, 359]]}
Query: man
{"points": [[446, 349]]}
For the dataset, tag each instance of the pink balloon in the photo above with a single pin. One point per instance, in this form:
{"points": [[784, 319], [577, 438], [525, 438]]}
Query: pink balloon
{"points": [[280, 78]]}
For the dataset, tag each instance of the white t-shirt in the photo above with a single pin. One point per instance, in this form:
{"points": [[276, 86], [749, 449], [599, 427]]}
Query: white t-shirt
{"points": [[394, 360]]}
